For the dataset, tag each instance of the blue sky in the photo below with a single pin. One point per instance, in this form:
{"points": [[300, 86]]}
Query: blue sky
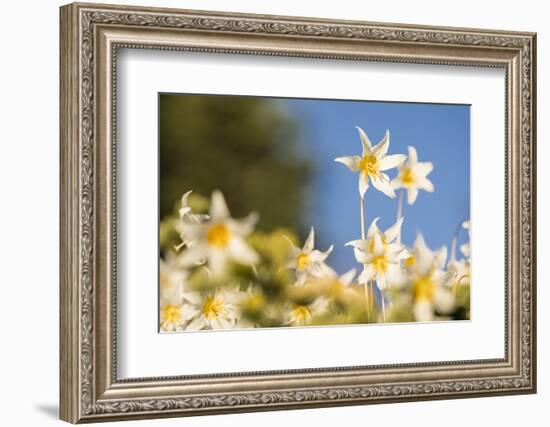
{"points": [[439, 132]]}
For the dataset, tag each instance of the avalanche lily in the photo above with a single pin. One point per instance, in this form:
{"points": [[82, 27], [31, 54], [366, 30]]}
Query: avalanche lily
{"points": [[219, 239], [382, 262], [428, 281], [371, 164], [302, 314], [308, 261], [216, 310], [412, 176]]}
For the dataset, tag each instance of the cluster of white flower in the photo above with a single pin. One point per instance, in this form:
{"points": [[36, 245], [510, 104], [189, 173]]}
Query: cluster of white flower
{"points": [[213, 244]]}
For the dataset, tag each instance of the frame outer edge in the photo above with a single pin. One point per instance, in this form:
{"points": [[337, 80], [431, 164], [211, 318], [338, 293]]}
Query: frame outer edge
{"points": [[69, 355]]}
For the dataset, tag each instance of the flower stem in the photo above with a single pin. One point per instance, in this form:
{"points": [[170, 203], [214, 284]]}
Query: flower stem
{"points": [[363, 217], [400, 212]]}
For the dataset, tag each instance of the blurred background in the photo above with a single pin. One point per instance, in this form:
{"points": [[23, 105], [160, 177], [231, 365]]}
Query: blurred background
{"points": [[276, 156]]}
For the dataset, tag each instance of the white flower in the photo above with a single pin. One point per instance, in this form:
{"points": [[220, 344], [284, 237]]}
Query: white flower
{"points": [[382, 262], [188, 217], [428, 281], [302, 314], [219, 239], [214, 310], [372, 163], [171, 281], [172, 317], [388, 238], [171, 284], [308, 261], [412, 176]]}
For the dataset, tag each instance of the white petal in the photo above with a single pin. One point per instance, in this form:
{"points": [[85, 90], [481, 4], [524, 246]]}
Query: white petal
{"points": [[360, 244], [347, 277], [195, 325], [218, 207], [383, 186], [318, 256], [423, 169], [363, 184], [444, 300], [373, 228], [394, 231], [193, 256], [382, 147], [241, 252], [412, 194], [244, 226], [425, 184], [351, 162], [441, 257], [361, 257], [366, 275], [310, 241], [217, 259], [396, 183], [413, 157], [423, 311], [381, 282], [367, 145], [193, 297], [392, 161], [378, 248]]}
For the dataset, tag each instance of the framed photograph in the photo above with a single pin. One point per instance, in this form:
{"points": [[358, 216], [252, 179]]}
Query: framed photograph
{"points": [[264, 212]]}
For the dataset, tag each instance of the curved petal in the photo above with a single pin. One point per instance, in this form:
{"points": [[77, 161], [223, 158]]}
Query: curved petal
{"points": [[367, 145], [362, 257], [426, 184], [378, 247], [413, 157], [217, 260], [310, 241], [394, 231], [392, 161], [347, 277], [359, 244], [218, 207], [363, 184], [382, 147], [381, 282], [423, 169], [383, 186], [366, 275], [241, 252], [193, 256], [351, 162], [244, 226], [373, 229], [196, 324], [412, 194]]}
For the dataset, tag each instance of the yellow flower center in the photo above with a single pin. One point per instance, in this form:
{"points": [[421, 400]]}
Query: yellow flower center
{"points": [[380, 264], [369, 166], [302, 261], [408, 177], [300, 314], [218, 235], [423, 288], [212, 307], [171, 313], [255, 302], [410, 261]]}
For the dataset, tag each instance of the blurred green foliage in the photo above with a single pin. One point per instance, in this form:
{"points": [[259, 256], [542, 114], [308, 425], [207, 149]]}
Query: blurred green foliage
{"points": [[243, 146]]}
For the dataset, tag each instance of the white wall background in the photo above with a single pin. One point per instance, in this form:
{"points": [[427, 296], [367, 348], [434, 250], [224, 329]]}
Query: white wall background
{"points": [[29, 170]]}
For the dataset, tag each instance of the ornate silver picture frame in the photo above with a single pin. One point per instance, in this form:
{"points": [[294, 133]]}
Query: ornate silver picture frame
{"points": [[91, 35]]}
